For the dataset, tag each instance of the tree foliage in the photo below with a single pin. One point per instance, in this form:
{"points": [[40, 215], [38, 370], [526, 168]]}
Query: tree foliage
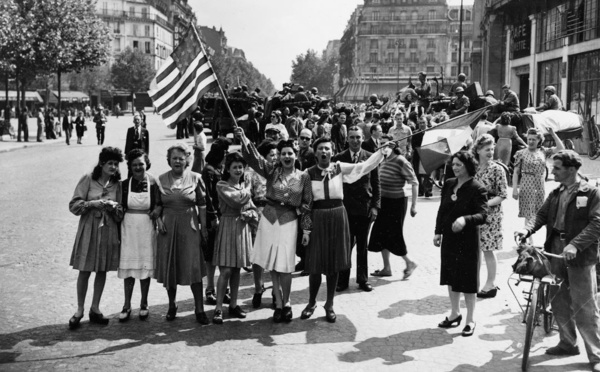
{"points": [[231, 70], [132, 71], [311, 70]]}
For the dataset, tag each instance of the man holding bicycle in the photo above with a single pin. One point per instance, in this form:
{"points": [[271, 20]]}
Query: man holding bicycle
{"points": [[571, 214]]}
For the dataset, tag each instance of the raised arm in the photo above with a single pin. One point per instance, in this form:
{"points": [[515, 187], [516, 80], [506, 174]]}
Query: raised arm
{"points": [[352, 172]]}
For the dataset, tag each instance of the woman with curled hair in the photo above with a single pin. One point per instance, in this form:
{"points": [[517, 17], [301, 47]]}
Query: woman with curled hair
{"points": [[233, 246], [288, 200], [462, 210], [492, 176], [506, 135], [181, 226], [97, 199], [530, 172], [138, 236]]}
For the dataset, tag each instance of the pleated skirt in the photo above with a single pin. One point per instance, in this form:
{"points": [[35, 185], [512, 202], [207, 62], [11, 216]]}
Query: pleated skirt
{"points": [[233, 245], [275, 246], [96, 246], [329, 248], [388, 229]]}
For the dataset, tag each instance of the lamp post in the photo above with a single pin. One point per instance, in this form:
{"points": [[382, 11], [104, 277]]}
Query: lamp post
{"points": [[460, 38], [398, 70]]}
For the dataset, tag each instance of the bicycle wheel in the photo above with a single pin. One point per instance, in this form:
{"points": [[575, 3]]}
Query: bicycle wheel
{"points": [[545, 306], [530, 321], [593, 152]]}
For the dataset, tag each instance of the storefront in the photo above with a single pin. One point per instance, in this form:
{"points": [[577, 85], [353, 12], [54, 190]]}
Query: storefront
{"points": [[549, 73], [584, 84]]}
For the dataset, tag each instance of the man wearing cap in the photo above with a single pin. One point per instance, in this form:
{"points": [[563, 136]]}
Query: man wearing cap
{"points": [[460, 83], [552, 100], [423, 90], [460, 104], [490, 97], [137, 136], [571, 215], [293, 124], [300, 96], [100, 120], [276, 132], [374, 103], [510, 101]]}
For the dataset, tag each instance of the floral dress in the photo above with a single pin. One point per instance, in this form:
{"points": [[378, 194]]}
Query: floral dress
{"points": [[493, 178], [533, 172]]}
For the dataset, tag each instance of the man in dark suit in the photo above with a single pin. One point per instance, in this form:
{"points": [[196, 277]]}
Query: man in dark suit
{"points": [[362, 201], [137, 137], [372, 144]]}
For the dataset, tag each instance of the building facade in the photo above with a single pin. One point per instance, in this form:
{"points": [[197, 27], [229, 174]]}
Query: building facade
{"points": [[532, 44]]}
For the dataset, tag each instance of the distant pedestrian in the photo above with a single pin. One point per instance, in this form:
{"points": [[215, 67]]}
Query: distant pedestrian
{"points": [[137, 136], [200, 144], [67, 127], [100, 120], [97, 199], [138, 236], [49, 124], [40, 124], [22, 125], [80, 126]]}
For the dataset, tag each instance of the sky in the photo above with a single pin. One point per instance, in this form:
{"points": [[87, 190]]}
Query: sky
{"points": [[273, 32]]}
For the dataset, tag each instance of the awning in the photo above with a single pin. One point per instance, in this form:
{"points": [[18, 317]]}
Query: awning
{"points": [[71, 96], [29, 96]]}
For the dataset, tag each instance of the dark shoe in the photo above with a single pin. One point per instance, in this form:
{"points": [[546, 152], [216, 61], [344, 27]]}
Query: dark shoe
{"points": [[75, 322], [560, 351], [172, 313], [277, 316], [256, 300], [595, 367], [428, 194], [410, 268], [341, 287], [98, 318], [202, 318], [125, 314], [447, 323], [247, 269], [287, 314], [308, 311], [488, 294], [227, 298], [299, 266], [144, 313], [211, 299], [468, 330], [421, 194], [365, 287], [381, 273], [218, 317], [330, 315], [237, 312], [304, 273]]}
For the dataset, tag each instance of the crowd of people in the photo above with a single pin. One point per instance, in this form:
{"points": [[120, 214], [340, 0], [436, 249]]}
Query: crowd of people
{"points": [[309, 189]]}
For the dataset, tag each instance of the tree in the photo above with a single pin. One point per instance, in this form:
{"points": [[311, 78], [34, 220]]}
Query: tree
{"points": [[132, 71], [231, 70], [312, 70]]}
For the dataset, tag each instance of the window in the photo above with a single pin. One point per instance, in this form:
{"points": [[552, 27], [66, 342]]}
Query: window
{"points": [[373, 70], [144, 12], [374, 44], [413, 43], [466, 70], [376, 1], [132, 11], [467, 15], [413, 69], [467, 43], [430, 57], [104, 8], [413, 57], [135, 44], [453, 71], [147, 47], [584, 84], [392, 16], [550, 33], [430, 43], [146, 30], [414, 15], [549, 74], [403, 15], [373, 58], [391, 44], [391, 69], [583, 20], [375, 16], [136, 30], [401, 44], [432, 14], [454, 57], [374, 29], [430, 69], [116, 45], [467, 57], [117, 27]]}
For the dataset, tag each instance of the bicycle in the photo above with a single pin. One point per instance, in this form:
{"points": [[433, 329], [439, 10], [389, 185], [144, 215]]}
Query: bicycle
{"points": [[537, 305], [594, 133]]}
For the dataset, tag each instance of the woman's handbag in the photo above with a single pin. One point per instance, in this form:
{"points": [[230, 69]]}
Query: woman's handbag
{"points": [[532, 261]]}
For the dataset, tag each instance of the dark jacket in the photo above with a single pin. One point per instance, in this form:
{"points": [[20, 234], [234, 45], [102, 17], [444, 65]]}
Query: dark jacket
{"points": [[582, 225], [307, 158], [369, 145], [137, 143], [364, 194]]}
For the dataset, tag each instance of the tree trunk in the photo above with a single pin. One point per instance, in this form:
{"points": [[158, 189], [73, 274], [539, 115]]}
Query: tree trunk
{"points": [[7, 108], [47, 94], [59, 102], [132, 103], [18, 102]]}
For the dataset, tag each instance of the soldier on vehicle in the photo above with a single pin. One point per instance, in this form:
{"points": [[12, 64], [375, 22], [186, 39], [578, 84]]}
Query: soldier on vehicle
{"points": [[552, 100], [460, 83], [510, 101], [423, 90], [460, 104]]}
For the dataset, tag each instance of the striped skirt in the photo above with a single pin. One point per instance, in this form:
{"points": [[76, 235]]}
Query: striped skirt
{"points": [[329, 249], [233, 245]]}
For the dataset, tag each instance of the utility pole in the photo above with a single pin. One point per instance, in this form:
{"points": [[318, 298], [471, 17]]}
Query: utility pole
{"points": [[398, 70], [460, 38]]}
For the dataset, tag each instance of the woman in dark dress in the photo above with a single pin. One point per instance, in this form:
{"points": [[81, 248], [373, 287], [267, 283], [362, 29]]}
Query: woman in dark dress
{"points": [[462, 210]]}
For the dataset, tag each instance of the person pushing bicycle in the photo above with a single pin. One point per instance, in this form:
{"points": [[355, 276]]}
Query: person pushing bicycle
{"points": [[571, 214]]}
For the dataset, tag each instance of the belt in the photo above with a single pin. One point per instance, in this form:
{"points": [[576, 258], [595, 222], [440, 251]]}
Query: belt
{"points": [[279, 204], [560, 234], [328, 204], [137, 211]]}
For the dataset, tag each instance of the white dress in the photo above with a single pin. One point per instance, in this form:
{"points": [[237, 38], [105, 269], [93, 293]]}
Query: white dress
{"points": [[138, 237]]}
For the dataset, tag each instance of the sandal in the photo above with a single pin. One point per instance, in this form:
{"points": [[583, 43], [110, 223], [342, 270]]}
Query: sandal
{"points": [[308, 311], [144, 313], [125, 314], [172, 313]]}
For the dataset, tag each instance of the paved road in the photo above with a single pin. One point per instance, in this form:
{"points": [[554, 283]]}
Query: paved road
{"points": [[393, 327]]}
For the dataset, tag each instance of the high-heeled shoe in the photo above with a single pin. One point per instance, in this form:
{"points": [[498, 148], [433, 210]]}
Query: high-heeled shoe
{"points": [[277, 315], [330, 315], [202, 318], [98, 318], [488, 294], [125, 314], [75, 322], [308, 311], [171, 313], [144, 312], [468, 330], [447, 323], [287, 314]]}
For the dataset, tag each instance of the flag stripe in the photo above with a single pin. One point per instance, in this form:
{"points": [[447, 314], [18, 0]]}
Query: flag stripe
{"points": [[177, 78], [200, 84], [182, 87], [188, 107], [167, 69]]}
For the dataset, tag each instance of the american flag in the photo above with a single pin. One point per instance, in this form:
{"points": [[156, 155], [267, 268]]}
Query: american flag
{"points": [[180, 82]]}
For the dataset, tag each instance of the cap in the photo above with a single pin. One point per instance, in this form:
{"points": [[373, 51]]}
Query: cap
{"points": [[422, 73], [459, 90], [461, 75], [506, 86], [373, 96], [272, 127], [489, 93], [314, 90], [550, 88]]}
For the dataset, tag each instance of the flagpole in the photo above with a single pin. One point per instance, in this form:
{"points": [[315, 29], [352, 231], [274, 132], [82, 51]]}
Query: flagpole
{"points": [[437, 126], [218, 83]]}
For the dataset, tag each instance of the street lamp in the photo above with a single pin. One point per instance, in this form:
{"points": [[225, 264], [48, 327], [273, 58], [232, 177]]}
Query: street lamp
{"points": [[398, 58], [460, 38]]}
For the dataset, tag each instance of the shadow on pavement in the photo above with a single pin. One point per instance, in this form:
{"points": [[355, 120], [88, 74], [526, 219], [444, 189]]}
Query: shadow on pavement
{"points": [[392, 348], [430, 305]]}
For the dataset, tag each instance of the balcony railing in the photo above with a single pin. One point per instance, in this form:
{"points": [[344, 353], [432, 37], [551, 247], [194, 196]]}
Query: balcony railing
{"points": [[119, 15]]}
